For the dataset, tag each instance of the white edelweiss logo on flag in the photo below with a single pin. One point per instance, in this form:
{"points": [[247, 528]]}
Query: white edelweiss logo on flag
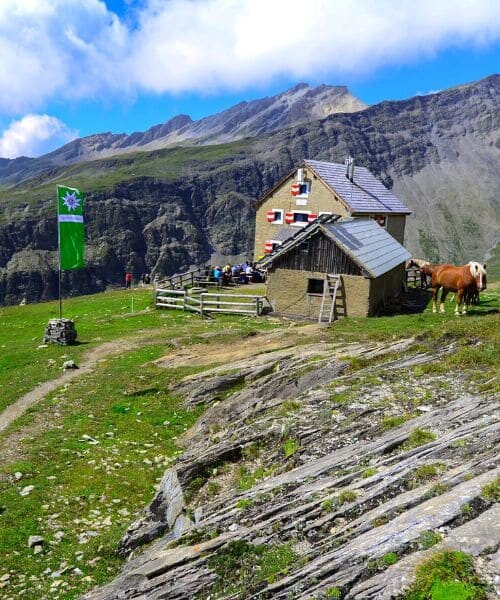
{"points": [[71, 201]]}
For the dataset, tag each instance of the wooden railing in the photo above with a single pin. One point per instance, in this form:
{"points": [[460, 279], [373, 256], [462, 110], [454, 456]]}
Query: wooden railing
{"points": [[190, 278], [209, 302]]}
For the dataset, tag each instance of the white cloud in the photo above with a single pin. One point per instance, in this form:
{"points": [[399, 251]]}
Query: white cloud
{"points": [[34, 135], [57, 50], [66, 50], [229, 44]]}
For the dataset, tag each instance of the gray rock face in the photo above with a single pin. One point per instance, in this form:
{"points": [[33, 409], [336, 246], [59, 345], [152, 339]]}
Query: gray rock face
{"points": [[297, 105], [305, 457], [164, 513]]}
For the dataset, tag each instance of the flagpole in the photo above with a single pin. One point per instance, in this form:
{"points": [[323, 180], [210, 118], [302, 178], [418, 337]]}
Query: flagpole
{"points": [[60, 295], [59, 253]]}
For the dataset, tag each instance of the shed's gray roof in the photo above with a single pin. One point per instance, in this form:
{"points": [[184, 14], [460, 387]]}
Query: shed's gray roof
{"points": [[368, 244], [285, 233], [364, 240], [366, 194]]}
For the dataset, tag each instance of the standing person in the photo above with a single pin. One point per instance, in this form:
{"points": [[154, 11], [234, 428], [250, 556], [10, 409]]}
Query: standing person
{"points": [[128, 280]]}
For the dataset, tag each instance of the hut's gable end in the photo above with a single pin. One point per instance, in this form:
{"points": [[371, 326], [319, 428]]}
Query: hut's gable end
{"points": [[320, 254], [279, 202]]}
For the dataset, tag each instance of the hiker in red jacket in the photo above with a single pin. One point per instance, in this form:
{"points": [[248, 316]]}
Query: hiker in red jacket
{"points": [[128, 280]]}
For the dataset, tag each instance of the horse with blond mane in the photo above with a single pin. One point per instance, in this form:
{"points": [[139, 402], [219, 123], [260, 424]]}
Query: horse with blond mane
{"points": [[425, 267], [462, 280]]}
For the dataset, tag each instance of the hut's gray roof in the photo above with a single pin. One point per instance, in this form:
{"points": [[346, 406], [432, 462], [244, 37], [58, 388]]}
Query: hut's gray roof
{"points": [[363, 240], [368, 244], [365, 194]]}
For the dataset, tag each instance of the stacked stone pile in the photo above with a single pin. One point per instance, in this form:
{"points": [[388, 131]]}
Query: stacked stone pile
{"points": [[60, 331]]}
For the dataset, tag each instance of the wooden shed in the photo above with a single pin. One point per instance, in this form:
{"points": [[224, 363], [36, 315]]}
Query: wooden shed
{"points": [[367, 261]]}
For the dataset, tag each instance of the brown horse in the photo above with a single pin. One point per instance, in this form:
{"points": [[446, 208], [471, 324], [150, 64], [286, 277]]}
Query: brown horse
{"points": [[463, 280], [425, 267]]}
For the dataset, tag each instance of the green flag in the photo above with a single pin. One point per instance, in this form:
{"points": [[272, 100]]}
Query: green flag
{"points": [[71, 232]]}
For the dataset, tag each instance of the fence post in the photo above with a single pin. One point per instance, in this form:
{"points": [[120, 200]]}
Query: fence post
{"points": [[201, 304]]}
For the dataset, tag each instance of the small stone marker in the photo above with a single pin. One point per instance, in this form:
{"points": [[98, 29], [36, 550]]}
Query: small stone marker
{"points": [[60, 331]]}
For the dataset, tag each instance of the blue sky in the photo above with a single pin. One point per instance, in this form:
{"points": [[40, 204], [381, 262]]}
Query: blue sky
{"points": [[70, 68]]}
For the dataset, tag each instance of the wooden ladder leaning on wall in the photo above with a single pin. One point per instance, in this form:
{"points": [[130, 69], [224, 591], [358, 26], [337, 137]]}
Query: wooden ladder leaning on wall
{"points": [[327, 308]]}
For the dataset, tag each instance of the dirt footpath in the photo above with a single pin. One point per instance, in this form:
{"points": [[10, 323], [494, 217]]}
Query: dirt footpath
{"points": [[20, 406]]}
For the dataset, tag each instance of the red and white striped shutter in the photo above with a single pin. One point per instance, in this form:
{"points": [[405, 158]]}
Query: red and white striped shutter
{"points": [[311, 217], [289, 217], [268, 247], [270, 216], [295, 189]]}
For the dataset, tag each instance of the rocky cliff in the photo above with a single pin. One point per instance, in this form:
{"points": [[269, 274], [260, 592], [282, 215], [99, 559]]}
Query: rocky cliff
{"points": [[307, 477], [164, 210]]}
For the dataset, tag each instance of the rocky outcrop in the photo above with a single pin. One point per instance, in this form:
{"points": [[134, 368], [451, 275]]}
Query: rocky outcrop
{"points": [[339, 473]]}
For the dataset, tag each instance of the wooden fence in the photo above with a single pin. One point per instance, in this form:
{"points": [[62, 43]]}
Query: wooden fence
{"points": [[413, 277], [190, 278], [209, 302]]}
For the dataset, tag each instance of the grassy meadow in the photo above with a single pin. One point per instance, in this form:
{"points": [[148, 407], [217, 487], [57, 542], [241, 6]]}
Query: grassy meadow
{"points": [[79, 465]]}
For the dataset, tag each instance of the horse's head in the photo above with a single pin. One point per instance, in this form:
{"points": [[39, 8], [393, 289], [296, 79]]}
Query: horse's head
{"points": [[478, 271]]}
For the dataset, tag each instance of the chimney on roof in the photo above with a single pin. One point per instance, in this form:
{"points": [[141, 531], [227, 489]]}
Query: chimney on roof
{"points": [[349, 167]]}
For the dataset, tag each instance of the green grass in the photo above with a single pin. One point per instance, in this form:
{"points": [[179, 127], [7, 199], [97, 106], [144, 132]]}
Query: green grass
{"points": [[290, 446], [98, 318], [104, 174], [247, 479], [481, 321], [395, 421], [418, 437], [491, 491], [242, 566], [73, 479], [124, 404], [447, 575], [427, 539], [425, 473]]}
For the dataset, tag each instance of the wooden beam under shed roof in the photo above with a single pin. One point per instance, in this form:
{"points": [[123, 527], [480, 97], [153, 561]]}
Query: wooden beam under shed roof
{"points": [[303, 234]]}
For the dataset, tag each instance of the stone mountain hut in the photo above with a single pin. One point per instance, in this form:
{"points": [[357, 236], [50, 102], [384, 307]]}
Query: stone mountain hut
{"points": [[367, 262], [317, 188]]}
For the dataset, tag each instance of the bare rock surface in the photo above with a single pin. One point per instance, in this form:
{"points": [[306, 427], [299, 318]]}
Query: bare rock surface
{"points": [[321, 454]]}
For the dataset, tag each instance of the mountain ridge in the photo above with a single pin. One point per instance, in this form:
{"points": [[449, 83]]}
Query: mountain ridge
{"points": [[300, 104], [164, 210]]}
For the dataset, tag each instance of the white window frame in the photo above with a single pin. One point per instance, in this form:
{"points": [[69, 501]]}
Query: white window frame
{"points": [[306, 195], [300, 223], [278, 221]]}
